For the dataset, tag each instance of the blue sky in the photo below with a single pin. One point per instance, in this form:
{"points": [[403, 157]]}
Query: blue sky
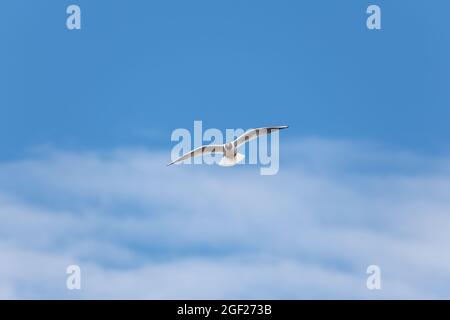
{"points": [[85, 124], [143, 67]]}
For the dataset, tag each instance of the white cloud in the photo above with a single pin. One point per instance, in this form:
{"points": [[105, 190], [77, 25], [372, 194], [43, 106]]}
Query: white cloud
{"points": [[141, 230]]}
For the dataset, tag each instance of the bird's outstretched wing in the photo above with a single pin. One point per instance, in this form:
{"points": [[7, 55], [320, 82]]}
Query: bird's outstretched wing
{"points": [[216, 148], [254, 133]]}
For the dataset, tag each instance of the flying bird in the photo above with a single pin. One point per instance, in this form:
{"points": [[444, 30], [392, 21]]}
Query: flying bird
{"points": [[229, 150]]}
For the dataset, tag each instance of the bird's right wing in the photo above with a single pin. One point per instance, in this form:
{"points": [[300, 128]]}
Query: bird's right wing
{"points": [[254, 133], [200, 151]]}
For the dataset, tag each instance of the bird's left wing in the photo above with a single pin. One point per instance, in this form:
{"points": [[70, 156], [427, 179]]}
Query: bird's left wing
{"points": [[216, 148], [254, 133]]}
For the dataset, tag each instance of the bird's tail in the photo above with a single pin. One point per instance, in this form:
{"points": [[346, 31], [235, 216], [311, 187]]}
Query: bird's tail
{"points": [[229, 162]]}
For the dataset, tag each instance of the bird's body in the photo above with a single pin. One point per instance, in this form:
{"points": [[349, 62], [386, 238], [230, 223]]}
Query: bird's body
{"points": [[231, 155]]}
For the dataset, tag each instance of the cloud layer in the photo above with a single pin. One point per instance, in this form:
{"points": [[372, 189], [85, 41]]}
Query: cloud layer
{"points": [[141, 230]]}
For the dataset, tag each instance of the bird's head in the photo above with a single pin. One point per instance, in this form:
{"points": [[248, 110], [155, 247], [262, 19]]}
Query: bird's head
{"points": [[229, 146]]}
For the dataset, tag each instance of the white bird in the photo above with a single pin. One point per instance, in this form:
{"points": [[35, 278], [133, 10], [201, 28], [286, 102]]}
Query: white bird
{"points": [[229, 150]]}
